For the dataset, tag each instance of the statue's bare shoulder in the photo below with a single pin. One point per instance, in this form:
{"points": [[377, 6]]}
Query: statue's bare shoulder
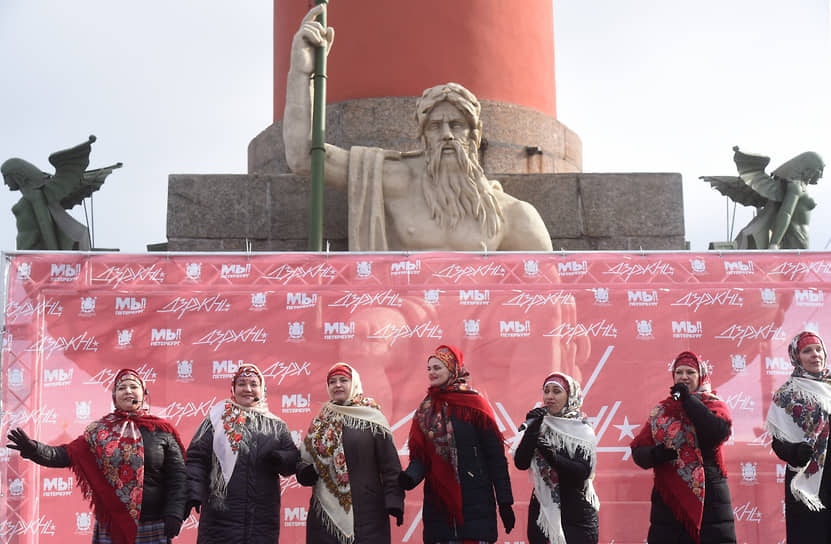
{"points": [[525, 229], [401, 170]]}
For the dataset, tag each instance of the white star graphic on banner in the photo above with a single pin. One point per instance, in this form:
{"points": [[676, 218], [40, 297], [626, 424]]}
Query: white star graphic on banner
{"points": [[625, 429]]}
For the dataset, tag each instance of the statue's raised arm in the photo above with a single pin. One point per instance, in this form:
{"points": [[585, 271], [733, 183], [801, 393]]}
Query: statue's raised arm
{"points": [[297, 116]]}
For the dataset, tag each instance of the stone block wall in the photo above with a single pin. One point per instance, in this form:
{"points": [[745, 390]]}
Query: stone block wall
{"points": [[269, 212]]}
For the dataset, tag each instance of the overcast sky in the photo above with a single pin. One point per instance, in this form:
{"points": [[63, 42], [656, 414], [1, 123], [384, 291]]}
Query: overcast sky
{"points": [[183, 86]]}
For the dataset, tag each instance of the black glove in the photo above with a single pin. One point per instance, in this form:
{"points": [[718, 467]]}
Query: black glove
{"points": [[171, 527], [276, 458], [308, 475], [406, 481], [546, 452], [536, 416], [196, 505], [398, 515], [22, 443], [536, 413], [506, 512], [683, 393], [804, 451], [662, 454]]}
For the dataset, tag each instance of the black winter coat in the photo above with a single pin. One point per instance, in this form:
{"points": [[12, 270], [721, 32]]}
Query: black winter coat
{"points": [[250, 510], [801, 523], [577, 517], [483, 472], [717, 525], [373, 465], [163, 494]]}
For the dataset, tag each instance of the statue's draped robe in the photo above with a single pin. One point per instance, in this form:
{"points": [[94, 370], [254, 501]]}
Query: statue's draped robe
{"points": [[367, 217]]}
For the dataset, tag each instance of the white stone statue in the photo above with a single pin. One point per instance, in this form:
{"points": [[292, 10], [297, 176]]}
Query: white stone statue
{"points": [[434, 199]]}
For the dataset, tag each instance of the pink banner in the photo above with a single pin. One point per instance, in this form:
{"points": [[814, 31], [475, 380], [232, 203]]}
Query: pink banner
{"points": [[613, 321]]}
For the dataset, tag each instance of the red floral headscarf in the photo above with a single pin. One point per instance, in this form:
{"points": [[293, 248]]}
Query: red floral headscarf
{"points": [[128, 374], [339, 369], [681, 482], [690, 359], [432, 441], [249, 370]]}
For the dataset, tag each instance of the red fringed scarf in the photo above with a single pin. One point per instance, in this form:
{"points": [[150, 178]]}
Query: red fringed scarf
{"points": [[108, 461], [433, 444], [681, 482]]}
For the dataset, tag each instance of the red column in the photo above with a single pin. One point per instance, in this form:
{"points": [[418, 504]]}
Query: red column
{"points": [[501, 50]]}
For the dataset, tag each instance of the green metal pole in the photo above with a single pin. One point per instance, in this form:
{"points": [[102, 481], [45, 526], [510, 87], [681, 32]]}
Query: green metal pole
{"points": [[318, 139]]}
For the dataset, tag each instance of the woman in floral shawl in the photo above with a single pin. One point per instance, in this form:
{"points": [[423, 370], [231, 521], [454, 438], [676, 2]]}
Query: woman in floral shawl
{"points": [[682, 442], [559, 447], [798, 421], [350, 458], [128, 464], [234, 463], [455, 443]]}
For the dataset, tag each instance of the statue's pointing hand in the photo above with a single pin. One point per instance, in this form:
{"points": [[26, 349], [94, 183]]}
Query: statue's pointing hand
{"points": [[310, 36]]}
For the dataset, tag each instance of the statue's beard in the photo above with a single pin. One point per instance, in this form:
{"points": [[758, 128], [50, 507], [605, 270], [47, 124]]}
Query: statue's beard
{"points": [[456, 187]]}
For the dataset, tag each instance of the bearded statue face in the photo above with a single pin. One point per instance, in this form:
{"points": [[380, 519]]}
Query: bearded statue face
{"points": [[445, 124], [455, 186]]}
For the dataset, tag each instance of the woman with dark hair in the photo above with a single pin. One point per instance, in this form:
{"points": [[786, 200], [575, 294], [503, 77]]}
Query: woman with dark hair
{"points": [[456, 445], [682, 442], [128, 464], [234, 464], [350, 458], [560, 449], [798, 420]]}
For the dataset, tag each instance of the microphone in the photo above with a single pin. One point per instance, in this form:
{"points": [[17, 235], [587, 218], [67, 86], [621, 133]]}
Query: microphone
{"points": [[256, 399], [135, 402], [525, 425], [676, 395]]}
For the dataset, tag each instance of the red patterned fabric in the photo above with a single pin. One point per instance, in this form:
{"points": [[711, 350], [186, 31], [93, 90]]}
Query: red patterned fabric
{"points": [[590, 314], [108, 460], [339, 369], [681, 482], [431, 440], [450, 357], [808, 339]]}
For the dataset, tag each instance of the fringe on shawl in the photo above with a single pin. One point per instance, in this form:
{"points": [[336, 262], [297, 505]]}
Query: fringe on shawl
{"points": [[811, 501], [586, 449], [678, 512], [90, 477], [574, 446], [329, 524], [548, 530], [364, 425]]}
